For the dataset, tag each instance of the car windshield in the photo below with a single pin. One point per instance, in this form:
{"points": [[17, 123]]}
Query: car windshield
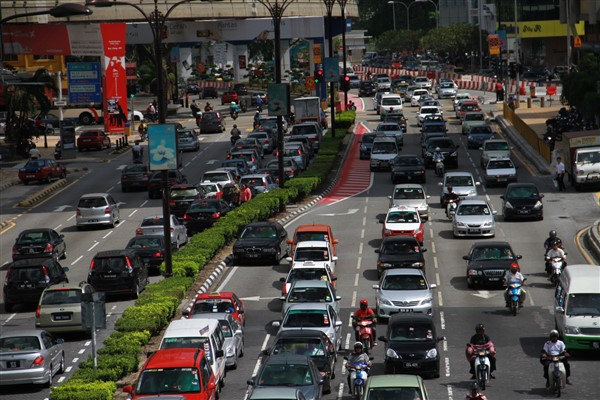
{"points": [[496, 146], [213, 306], [226, 328], [259, 232], [136, 168], [189, 192], [287, 374], [33, 237], [311, 254], [145, 243], [92, 202], [447, 85], [309, 295], [203, 206], [523, 192], [61, 296], [184, 342], [115, 264], [91, 133], [411, 333], [459, 180], [583, 304], [388, 127], [408, 217], [473, 209], [432, 128], [368, 138], [408, 193], [303, 130], [482, 129], [393, 247], [31, 274], [210, 187], [395, 393], [253, 181], [215, 177], [153, 221], [168, 380], [305, 236], [500, 164], [262, 136], [403, 282], [35, 164], [307, 319], [384, 148], [299, 346], [19, 343], [394, 101], [185, 135], [469, 107], [307, 274], [474, 117], [491, 253]]}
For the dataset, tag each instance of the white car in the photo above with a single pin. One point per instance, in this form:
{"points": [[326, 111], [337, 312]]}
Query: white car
{"points": [[499, 171], [410, 195], [390, 102], [474, 218], [212, 189], [423, 82], [428, 110], [384, 83], [314, 252], [446, 90], [414, 99], [233, 332], [154, 225], [403, 221], [459, 97]]}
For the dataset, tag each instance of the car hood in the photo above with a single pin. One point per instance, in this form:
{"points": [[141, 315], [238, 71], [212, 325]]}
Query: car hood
{"points": [[490, 264], [473, 219], [416, 203], [404, 259], [463, 190], [502, 171], [256, 242], [405, 296]]}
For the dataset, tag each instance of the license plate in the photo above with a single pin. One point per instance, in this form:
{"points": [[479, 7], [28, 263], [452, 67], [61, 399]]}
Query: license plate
{"points": [[253, 255], [596, 345], [110, 276], [26, 286], [411, 365], [593, 177], [474, 231], [523, 212], [13, 364], [501, 179], [62, 317], [30, 176], [493, 279], [405, 310], [145, 260], [92, 220]]}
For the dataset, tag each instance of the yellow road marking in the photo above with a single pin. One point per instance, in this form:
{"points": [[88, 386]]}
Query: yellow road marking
{"points": [[597, 195], [582, 249], [12, 225]]}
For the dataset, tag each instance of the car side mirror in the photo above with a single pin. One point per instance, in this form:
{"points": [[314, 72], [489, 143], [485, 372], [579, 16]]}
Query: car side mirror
{"points": [[338, 323], [281, 279], [128, 389], [265, 352], [338, 298], [477, 183], [423, 249], [288, 259], [466, 258], [389, 197], [502, 197], [440, 184], [375, 286], [59, 341], [377, 251], [282, 298], [66, 269], [440, 338], [250, 382], [432, 286], [382, 339], [334, 258], [519, 257], [541, 196]]}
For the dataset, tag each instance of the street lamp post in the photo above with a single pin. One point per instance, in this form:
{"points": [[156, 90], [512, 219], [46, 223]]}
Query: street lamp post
{"points": [[329, 7], [342, 4], [407, 7], [276, 8]]}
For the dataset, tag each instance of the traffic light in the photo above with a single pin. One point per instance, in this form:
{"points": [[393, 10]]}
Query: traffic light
{"points": [[318, 76], [345, 83], [512, 70]]}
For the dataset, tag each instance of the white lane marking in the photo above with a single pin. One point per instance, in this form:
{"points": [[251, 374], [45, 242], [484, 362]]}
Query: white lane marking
{"points": [[440, 300], [62, 378], [356, 278], [487, 197], [435, 263], [68, 369], [433, 247], [530, 298], [431, 233], [143, 203], [362, 233], [56, 228], [107, 235], [442, 320], [360, 248], [133, 212], [94, 245], [8, 319], [75, 360], [447, 363], [76, 260], [226, 280], [353, 304], [71, 217], [81, 351], [364, 221], [437, 279], [365, 209], [358, 262], [110, 189], [87, 343]]}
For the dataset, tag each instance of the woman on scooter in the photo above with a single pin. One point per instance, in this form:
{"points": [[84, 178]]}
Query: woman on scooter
{"points": [[478, 341], [364, 312]]}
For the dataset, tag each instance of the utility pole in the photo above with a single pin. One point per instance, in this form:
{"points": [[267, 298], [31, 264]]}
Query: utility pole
{"points": [[517, 83]]}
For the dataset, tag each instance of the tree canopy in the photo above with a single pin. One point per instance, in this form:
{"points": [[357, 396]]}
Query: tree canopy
{"points": [[580, 88]]}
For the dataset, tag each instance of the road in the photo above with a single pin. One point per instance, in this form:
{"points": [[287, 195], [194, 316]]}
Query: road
{"points": [[518, 339]]}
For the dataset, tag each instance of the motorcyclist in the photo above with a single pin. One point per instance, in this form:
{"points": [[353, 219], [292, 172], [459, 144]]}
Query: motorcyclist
{"points": [[357, 356], [552, 237], [233, 108], [259, 103], [554, 347], [235, 134], [364, 313], [256, 118], [450, 196], [194, 108], [208, 107], [475, 394], [137, 151], [437, 154], [513, 275], [555, 252], [481, 341]]}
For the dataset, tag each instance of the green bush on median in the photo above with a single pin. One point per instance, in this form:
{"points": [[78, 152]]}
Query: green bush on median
{"points": [[75, 389]]}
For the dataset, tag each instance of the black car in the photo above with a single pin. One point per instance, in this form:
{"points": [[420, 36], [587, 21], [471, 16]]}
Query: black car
{"points": [[211, 122], [367, 89], [118, 272], [261, 241], [366, 144], [411, 345], [408, 168], [202, 214], [150, 248], [308, 342], [397, 117], [448, 149], [135, 176], [522, 201], [487, 262], [26, 280], [399, 252], [426, 136], [479, 134], [182, 196], [42, 242], [209, 92], [155, 182]]}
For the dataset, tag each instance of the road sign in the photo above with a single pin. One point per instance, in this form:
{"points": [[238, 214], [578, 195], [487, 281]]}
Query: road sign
{"points": [[84, 80], [494, 44], [317, 55], [577, 42], [309, 82]]}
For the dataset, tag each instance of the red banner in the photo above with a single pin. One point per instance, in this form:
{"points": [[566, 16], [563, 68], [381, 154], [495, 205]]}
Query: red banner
{"points": [[115, 79]]}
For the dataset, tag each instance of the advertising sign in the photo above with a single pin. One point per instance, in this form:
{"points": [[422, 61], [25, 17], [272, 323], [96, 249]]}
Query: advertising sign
{"points": [[162, 147], [279, 99], [331, 69], [317, 57], [242, 62], [115, 78], [494, 44], [85, 83]]}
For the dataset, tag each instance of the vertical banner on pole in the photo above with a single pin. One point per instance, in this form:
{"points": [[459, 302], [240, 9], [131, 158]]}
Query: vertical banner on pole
{"points": [[115, 77]]}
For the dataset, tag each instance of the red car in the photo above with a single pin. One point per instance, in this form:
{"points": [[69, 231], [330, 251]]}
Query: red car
{"points": [[228, 97], [95, 139], [42, 169], [215, 302]]}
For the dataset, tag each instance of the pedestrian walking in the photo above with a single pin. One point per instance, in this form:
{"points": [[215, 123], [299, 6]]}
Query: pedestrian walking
{"points": [[560, 174], [499, 92]]}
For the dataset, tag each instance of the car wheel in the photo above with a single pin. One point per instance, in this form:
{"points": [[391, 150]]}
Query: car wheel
{"points": [[79, 227], [470, 284], [123, 188], [136, 291], [48, 384], [61, 367], [63, 175], [112, 223]]}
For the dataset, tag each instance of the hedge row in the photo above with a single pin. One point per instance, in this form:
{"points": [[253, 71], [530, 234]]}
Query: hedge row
{"points": [[158, 303]]}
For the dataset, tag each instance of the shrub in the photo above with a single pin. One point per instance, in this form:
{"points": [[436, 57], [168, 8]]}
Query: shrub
{"points": [[151, 317], [75, 389]]}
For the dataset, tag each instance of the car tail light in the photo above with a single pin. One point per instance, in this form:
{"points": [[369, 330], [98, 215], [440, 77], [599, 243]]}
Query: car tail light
{"points": [[48, 248], [216, 215], [46, 276], [186, 218], [39, 360], [139, 232], [129, 267], [171, 230], [38, 311], [299, 152], [15, 250], [171, 202], [266, 142], [107, 210], [92, 264], [264, 183], [157, 254], [229, 156], [78, 213]]}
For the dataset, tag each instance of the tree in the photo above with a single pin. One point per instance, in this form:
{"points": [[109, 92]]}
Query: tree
{"points": [[580, 88], [453, 41], [398, 41]]}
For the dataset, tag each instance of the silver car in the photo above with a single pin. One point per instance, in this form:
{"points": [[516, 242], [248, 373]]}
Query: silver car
{"points": [[262, 183], [463, 184], [310, 291], [154, 225], [233, 333], [392, 129], [410, 195], [403, 290], [187, 140], [446, 90], [264, 140], [474, 218], [30, 356], [97, 209]]}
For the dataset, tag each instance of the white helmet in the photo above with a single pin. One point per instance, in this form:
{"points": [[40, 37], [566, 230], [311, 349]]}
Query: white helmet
{"points": [[233, 103], [438, 149]]}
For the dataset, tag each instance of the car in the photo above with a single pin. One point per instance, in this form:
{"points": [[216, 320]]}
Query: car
{"points": [[290, 167], [422, 82], [310, 291], [276, 392], [391, 129], [436, 120], [354, 81], [411, 345], [383, 83], [314, 232], [447, 148], [240, 89], [307, 270], [522, 200], [366, 144], [182, 195], [403, 221], [264, 140], [499, 171], [229, 96], [39, 242], [135, 176], [202, 214], [300, 372], [261, 241], [416, 95], [42, 170], [187, 140], [270, 122], [409, 92], [234, 336], [313, 252], [367, 89], [395, 386], [403, 290], [493, 148], [150, 248], [306, 141], [428, 110], [174, 177], [473, 118], [93, 139], [118, 272], [208, 92], [154, 225], [59, 308], [218, 176], [192, 88], [216, 302], [460, 97], [297, 152], [410, 195], [474, 218], [250, 156], [426, 136], [212, 122], [467, 106], [385, 149], [463, 184], [318, 316], [389, 103], [377, 100], [240, 165], [446, 90], [430, 102], [30, 357], [399, 252], [97, 209], [248, 143], [214, 190], [175, 371], [262, 183], [488, 261], [26, 280], [311, 343], [397, 117], [477, 135]]}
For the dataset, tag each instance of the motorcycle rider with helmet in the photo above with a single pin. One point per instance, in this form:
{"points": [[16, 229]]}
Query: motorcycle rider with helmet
{"points": [[555, 251], [450, 197], [235, 134], [475, 394], [513, 275], [364, 313], [233, 109], [256, 119], [552, 237], [554, 347], [357, 356], [478, 341], [208, 107]]}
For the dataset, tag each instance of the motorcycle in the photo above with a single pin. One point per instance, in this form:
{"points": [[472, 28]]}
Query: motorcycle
{"points": [[556, 265], [234, 138], [234, 115], [138, 156], [451, 208], [557, 375], [440, 168], [482, 367], [514, 296], [358, 378], [365, 332], [58, 152]]}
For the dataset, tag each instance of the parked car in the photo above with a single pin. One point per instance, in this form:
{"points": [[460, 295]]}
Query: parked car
{"points": [[399, 252], [202, 214], [135, 176], [43, 170], [97, 209], [154, 225], [522, 200], [59, 308], [488, 261], [174, 177], [150, 248], [474, 218], [93, 139], [182, 195], [30, 357], [259, 241], [118, 272], [403, 290], [39, 242], [26, 280]]}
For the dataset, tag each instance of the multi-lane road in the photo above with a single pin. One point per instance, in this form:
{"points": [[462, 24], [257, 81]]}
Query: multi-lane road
{"points": [[354, 219]]}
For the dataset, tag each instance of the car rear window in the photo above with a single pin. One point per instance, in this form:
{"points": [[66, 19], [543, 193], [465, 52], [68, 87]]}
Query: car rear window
{"points": [[306, 236], [253, 181], [185, 135], [400, 247], [213, 306], [30, 274], [496, 146], [412, 333], [33, 237], [19, 343], [136, 168], [61, 296], [110, 263], [459, 181], [258, 136], [305, 347], [307, 319], [92, 202], [184, 342], [368, 138], [408, 194], [258, 232], [304, 130], [175, 193], [311, 254], [35, 164], [215, 177], [203, 206], [309, 295], [145, 243], [155, 221], [154, 381], [91, 133]]}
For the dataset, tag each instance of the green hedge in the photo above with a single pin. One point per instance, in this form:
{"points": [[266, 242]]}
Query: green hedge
{"points": [[345, 119], [158, 303]]}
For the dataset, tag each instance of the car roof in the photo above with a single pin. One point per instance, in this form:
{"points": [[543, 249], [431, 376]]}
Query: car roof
{"points": [[29, 262], [521, 184], [215, 295], [408, 185], [261, 223], [302, 333], [311, 243], [404, 271], [287, 358], [309, 306], [311, 283], [87, 195], [313, 227], [35, 230], [395, 380], [21, 332], [411, 239], [174, 358], [115, 253], [402, 208], [472, 202], [491, 243], [67, 285], [459, 173]]}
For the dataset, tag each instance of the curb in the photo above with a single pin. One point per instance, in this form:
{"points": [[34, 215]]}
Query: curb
{"points": [[593, 239], [11, 182], [39, 195]]}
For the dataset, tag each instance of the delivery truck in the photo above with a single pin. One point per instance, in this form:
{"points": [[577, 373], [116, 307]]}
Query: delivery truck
{"points": [[580, 152], [309, 109]]}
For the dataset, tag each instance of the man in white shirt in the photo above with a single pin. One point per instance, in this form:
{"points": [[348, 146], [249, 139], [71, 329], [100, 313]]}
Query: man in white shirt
{"points": [[554, 347], [34, 153], [560, 174], [555, 252]]}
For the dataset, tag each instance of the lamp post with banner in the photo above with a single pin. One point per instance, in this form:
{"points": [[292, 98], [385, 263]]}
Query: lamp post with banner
{"points": [[329, 7]]}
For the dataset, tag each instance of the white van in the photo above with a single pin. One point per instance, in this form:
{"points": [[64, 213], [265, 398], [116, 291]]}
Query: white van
{"points": [[577, 307], [192, 333], [383, 152], [389, 102]]}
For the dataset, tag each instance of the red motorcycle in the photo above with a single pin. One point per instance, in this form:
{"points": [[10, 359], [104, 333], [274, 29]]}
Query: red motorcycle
{"points": [[365, 332]]}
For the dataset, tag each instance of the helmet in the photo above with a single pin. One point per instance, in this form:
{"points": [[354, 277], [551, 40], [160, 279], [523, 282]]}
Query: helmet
{"points": [[233, 103], [358, 344], [234, 125], [552, 234], [479, 327], [449, 187], [553, 333], [437, 149], [257, 112], [364, 302], [514, 268], [474, 387]]}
